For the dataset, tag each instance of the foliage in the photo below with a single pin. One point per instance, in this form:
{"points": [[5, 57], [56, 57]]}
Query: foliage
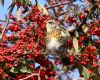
{"points": [[26, 44]]}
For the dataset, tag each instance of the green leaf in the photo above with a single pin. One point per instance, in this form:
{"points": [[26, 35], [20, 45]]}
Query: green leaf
{"points": [[67, 32], [13, 70], [25, 69], [86, 73], [23, 1], [95, 77], [71, 51], [70, 67], [4, 64], [27, 2], [55, 68], [69, 8], [23, 61], [75, 45], [76, 34], [80, 68], [3, 78], [85, 28]]}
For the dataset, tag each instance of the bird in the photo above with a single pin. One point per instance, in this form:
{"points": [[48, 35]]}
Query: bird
{"points": [[56, 39]]}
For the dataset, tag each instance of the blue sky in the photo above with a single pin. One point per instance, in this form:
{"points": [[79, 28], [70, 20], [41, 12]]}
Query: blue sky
{"points": [[4, 9]]}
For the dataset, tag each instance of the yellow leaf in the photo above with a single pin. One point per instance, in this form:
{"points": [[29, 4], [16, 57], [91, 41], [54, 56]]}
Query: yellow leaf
{"points": [[75, 45]]}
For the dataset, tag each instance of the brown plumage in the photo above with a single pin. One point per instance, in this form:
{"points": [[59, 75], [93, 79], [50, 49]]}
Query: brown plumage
{"points": [[56, 41]]}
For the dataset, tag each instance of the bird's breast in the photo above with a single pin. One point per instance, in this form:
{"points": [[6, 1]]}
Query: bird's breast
{"points": [[53, 44]]}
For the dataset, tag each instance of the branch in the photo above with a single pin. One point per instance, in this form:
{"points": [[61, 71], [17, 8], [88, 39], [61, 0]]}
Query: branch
{"points": [[36, 2], [3, 21], [34, 74], [53, 8], [7, 20], [84, 20], [57, 5]]}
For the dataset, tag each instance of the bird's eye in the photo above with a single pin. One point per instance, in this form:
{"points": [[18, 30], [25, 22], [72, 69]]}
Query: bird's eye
{"points": [[51, 22]]}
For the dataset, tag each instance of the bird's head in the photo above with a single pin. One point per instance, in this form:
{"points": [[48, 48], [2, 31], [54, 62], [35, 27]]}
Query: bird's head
{"points": [[51, 24]]}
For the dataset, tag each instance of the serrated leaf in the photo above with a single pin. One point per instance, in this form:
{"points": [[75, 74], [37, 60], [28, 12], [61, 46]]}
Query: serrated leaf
{"points": [[85, 73], [2, 2], [75, 45], [42, 9], [25, 69]]}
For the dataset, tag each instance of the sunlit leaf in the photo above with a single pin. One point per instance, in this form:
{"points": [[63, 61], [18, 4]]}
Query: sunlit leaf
{"points": [[85, 28], [25, 69], [42, 9], [13, 70], [69, 8], [66, 32], [24, 2], [27, 2], [71, 51], [76, 34], [19, 14], [85, 73], [75, 45]]}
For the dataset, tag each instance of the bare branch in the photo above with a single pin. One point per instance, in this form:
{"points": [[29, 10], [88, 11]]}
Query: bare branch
{"points": [[85, 19], [7, 20], [58, 5], [3, 21], [34, 74], [36, 2]]}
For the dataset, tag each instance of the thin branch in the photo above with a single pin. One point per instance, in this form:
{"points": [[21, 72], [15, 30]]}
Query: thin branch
{"points": [[85, 19], [34, 74], [3, 21], [36, 2], [53, 8], [57, 5], [7, 20], [63, 14]]}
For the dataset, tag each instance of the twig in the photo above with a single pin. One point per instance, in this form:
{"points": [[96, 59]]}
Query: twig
{"points": [[63, 14], [7, 20], [53, 8], [36, 2], [3, 21], [34, 74], [84, 20], [57, 5]]}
